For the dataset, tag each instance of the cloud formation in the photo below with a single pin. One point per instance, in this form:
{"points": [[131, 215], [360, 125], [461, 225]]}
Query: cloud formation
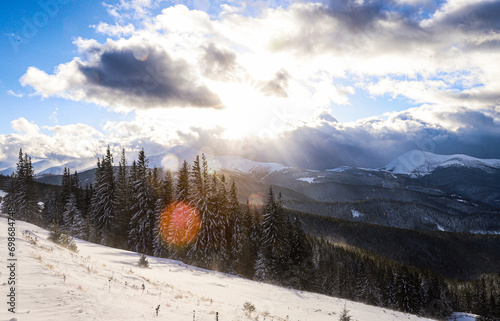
{"points": [[280, 71], [125, 75]]}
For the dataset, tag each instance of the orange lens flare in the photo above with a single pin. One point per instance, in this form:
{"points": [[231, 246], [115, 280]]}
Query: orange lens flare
{"points": [[179, 224]]}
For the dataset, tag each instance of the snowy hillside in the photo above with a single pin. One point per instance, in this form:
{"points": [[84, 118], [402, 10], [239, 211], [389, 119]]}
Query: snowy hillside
{"points": [[419, 163], [101, 283]]}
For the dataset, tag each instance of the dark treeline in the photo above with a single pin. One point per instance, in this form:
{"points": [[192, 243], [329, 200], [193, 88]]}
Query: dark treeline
{"points": [[194, 216]]}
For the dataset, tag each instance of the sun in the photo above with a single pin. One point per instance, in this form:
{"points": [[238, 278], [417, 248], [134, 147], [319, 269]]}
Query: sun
{"points": [[247, 111]]}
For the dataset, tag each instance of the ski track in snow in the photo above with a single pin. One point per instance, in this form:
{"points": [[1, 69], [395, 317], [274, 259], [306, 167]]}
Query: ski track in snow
{"points": [[102, 283]]}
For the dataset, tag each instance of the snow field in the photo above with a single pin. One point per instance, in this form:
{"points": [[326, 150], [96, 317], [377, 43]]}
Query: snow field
{"points": [[102, 283]]}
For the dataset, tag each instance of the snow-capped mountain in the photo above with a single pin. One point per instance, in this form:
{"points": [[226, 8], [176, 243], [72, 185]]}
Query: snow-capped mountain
{"points": [[51, 166], [419, 163], [173, 158]]}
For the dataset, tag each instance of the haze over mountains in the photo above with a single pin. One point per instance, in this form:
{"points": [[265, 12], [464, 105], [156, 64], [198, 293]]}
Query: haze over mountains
{"points": [[418, 190]]}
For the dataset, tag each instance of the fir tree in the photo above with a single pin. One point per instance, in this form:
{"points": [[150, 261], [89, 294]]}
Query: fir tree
{"points": [[103, 198], [273, 259], [166, 197], [21, 194], [204, 197], [73, 221], [344, 315], [122, 202], [182, 186], [143, 205], [234, 229]]}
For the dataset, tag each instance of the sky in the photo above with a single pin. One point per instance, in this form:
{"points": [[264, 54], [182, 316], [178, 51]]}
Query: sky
{"points": [[310, 84]]}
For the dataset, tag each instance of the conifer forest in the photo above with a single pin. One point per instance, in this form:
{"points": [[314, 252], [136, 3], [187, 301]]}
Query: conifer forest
{"points": [[194, 215]]}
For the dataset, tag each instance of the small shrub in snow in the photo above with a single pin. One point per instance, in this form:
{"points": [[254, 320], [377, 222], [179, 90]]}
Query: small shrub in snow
{"points": [[344, 315], [57, 236], [249, 307], [143, 261]]}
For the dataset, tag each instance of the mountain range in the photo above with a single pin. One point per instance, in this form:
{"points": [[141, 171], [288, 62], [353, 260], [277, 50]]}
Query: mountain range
{"points": [[419, 190]]}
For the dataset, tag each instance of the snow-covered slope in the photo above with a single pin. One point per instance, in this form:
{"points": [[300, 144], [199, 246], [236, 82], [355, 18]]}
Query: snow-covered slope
{"points": [[2, 195], [419, 163], [101, 283]]}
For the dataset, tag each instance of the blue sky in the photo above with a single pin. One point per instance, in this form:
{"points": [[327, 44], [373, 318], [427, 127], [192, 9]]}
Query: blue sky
{"points": [[378, 77]]}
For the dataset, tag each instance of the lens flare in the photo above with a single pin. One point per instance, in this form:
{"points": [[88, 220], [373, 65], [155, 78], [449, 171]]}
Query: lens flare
{"points": [[179, 224], [256, 199], [170, 162], [141, 54]]}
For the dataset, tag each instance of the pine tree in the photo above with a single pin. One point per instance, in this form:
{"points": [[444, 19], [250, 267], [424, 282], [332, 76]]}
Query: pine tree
{"points": [[66, 187], [344, 315], [182, 186], [274, 254], [234, 229], [166, 198], [21, 193], [142, 221], [206, 249], [300, 256], [73, 221], [103, 199], [122, 202]]}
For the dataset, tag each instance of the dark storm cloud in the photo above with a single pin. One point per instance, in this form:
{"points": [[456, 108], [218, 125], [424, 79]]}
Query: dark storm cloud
{"points": [[144, 77], [483, 16]]}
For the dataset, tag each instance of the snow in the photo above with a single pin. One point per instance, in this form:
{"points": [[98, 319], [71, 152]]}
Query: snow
{"points": [[102, 283], [2, 195], [306, 179], [419, 163], [356, 214], [459, 316], [339, 169]]}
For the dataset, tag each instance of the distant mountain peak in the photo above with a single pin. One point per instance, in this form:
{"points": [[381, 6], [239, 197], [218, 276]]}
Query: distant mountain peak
{"points": [[420, 163]]}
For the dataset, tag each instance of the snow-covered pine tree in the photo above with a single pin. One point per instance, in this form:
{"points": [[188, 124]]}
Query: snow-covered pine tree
{"points": [[21, 193], [122, 202], [274, 253], [234, 229], [407, 298], [48, 212], [143, 205], [249, 244], [12, 193], [166, 197], [66, 187], [219, 202], [103, 199], [367, 289], [202, 251], [73, 221], [300, 256], [182, 190]]}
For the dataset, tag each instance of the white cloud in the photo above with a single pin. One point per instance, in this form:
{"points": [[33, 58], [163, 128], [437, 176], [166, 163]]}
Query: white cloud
{"points": [[324, 54], [114, 30], [23, 126], [12, 93]]}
